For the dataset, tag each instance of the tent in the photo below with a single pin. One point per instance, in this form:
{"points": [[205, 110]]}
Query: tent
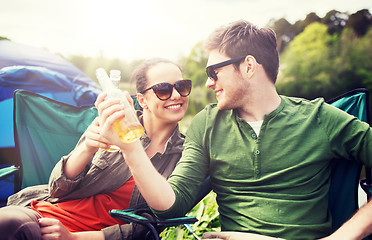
{"points": [[37, 70]]}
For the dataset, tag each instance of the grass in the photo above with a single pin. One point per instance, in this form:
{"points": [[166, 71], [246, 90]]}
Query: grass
{"points": [[206, 211]]}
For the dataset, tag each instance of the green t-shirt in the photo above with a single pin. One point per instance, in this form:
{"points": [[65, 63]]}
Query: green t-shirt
{"points": [[275, 184]]}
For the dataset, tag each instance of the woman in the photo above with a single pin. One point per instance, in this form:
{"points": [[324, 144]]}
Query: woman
{"points": [[90, 181]]}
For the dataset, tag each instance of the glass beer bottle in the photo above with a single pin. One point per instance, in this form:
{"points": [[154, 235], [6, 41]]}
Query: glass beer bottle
{"points": [[128, 128]]}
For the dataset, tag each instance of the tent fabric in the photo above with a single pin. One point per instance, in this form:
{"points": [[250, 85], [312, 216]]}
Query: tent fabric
{"points": [[29, 63], [13, 54], [40, 80], [43, 80], [39, 71]]}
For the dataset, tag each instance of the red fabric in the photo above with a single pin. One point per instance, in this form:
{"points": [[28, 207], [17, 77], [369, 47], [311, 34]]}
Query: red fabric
{"points": [[88, 214]]}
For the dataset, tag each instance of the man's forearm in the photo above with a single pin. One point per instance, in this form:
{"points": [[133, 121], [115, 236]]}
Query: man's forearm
{"points": [[358, 227]]}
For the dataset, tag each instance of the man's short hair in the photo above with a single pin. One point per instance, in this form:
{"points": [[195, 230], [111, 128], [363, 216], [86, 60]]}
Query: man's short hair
{"points": [[241, 38]]}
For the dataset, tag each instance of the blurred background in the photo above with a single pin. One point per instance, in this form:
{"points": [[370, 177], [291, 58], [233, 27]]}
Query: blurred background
{"points": [[325, 46], [325, 50]]}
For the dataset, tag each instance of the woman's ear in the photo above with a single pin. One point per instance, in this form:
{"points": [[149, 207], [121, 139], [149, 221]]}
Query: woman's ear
{"points": [[141, 100]]}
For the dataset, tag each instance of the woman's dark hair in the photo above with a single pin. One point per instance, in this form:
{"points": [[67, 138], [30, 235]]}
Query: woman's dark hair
{"points": [[140, 73]]}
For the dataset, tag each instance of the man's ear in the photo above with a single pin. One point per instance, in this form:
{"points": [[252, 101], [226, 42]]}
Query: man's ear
{"points": [[141, 100], [250, 65]]}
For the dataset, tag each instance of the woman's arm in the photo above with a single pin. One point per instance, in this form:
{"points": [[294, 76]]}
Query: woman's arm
{"points": [[82, 154], [153, 186]]}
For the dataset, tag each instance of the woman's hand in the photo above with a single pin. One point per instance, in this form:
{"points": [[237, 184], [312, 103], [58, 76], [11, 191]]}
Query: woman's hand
{"points": [[54, 229], [109, 111], [93, 139]]}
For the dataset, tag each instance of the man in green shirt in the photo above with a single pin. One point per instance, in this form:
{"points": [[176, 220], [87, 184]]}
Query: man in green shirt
{"points": [[268, 156]]}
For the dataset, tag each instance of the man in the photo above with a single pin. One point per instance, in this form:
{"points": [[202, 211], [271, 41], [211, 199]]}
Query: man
{"points": [[267, 155]]}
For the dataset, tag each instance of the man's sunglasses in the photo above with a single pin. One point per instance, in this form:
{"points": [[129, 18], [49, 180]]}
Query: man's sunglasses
{"points": [[210, 70], [164, 90]]}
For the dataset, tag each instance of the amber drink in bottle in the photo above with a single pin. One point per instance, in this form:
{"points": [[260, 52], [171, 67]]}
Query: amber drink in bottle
{"points": [[128, 128]]}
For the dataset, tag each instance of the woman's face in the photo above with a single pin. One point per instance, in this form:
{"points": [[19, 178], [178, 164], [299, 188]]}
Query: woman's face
{"points": [[173, 109]]}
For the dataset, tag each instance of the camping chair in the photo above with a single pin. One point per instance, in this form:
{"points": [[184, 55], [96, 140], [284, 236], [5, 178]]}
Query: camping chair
{"points": [[9, 173], [345, 176], [343, 195], [10, 182], [45, 130]]}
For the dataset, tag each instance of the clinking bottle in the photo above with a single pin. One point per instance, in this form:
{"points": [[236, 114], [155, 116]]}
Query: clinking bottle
{"points": [[128, 128]]}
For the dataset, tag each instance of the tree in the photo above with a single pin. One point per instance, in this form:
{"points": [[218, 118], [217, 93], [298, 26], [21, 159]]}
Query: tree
{"points": [[304, 64], [284, 32], [354, 60], [360, 22], [336, 21], [193, 68], [299, 26]]}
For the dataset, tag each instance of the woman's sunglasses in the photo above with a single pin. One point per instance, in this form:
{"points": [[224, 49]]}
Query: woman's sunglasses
{"points": [[164, 90]]}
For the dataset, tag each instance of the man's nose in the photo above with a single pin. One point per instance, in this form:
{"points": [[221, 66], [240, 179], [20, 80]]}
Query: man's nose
{"points": [[209, 83]]}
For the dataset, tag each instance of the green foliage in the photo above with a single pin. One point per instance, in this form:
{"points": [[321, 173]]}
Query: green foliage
{"points": [[335, 21], [207, 213], [317, 64], [89, 65], [360, 22], [303, 62], [194, 68], [4, 38], [284, 32]]}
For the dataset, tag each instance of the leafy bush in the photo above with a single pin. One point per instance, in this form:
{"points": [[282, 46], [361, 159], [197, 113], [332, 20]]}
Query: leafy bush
{"points": [[207, 213]]}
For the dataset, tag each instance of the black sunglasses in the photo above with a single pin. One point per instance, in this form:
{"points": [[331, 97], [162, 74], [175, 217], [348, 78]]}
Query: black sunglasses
{"points": [[210, 70], [164, 90]]}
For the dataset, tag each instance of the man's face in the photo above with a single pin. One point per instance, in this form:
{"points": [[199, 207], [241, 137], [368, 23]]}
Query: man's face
{"points": [[228, 86]]}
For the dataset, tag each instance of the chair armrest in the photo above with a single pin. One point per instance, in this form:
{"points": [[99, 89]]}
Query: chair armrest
{"points": [[367, 187], [130, 216], [8, 171], [144, 216]]}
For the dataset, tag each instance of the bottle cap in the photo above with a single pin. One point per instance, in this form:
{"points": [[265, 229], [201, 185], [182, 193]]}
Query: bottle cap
{"points": [[115, 76]]}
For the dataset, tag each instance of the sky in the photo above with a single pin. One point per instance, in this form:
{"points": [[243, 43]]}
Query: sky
{"points": [[140, 29]]}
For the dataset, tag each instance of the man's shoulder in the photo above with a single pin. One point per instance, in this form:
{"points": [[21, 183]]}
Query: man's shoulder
{"points": [[209, 109], [303, 104], [298, 107], [207, 117], [211, 112], [303, 101]]}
